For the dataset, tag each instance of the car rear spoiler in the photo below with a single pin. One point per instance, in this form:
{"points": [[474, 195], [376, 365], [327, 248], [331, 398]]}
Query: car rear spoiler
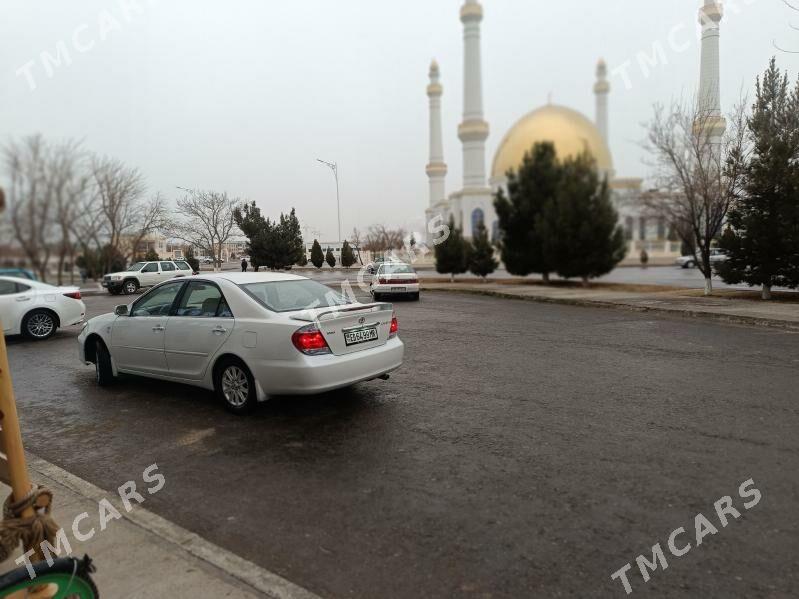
{"points": [[310, 316]]}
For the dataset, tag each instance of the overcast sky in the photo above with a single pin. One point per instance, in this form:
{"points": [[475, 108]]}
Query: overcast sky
{"points": [[243, 96]]}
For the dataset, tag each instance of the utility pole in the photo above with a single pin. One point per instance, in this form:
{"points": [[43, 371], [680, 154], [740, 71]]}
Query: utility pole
{"points": [[334, 167]]}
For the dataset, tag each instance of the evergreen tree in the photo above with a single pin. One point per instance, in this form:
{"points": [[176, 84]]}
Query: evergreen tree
{"points": [[292, 234], [481, 259], [530, 191], [276, 245], [151, 256], [330, 258], [579, 230], [192, 261], [763, 240], [452, 254], [347, 255], [317, 257]]}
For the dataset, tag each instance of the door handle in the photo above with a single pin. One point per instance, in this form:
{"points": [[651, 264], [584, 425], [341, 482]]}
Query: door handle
{"points": [[158, 328], [23, 299], [219, 330]]}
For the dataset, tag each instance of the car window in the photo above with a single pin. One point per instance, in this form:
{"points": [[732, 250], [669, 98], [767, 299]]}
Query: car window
{"points": [[167, 266], [183, 265], [289, 296], [392, 269], [22, 287], [7, 287], [203, 300], [152, 267], [157, 302]]}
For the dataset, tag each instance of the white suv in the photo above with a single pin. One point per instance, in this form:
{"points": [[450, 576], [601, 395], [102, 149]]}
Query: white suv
{"points": [[145, 274]]}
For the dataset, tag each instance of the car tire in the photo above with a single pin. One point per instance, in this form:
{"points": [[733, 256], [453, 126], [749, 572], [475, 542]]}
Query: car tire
{"points": [[235, 386], [690, 265], [39, 325], [130, 286], [104, 372]]}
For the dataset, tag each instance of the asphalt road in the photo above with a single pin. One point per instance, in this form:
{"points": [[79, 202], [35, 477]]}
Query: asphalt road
{"points": [[524, 450]]}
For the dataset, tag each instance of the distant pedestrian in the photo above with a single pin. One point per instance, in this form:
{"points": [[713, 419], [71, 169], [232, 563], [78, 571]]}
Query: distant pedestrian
{"points": [[243, 265]]}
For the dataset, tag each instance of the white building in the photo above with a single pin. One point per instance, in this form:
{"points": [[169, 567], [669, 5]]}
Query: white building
{"points": [[570, 131]]}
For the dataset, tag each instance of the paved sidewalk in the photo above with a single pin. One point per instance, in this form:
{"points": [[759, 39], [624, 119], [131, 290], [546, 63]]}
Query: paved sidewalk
{"points": [[724, 305], [143, 556]]}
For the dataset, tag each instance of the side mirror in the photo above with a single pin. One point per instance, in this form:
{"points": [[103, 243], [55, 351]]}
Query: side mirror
{"points": [[121, 310]]}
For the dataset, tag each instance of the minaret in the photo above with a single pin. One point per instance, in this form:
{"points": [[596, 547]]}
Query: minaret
{"points": [[473, 131], [601, 91], [436, 168], [709, 100]]}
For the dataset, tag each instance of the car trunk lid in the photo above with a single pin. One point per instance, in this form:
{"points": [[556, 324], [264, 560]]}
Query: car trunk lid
{"points": [[351, 328]]}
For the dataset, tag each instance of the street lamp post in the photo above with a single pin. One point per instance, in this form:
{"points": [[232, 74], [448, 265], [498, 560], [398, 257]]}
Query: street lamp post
{"points": [[334, 167]]}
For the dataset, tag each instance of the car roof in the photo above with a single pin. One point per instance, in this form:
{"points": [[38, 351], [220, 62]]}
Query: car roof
{"points": [[243, 278], [24, 281]]}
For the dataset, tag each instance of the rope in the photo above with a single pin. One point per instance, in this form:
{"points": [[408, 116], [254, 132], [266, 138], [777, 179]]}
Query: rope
{"points": [[33, 531]]}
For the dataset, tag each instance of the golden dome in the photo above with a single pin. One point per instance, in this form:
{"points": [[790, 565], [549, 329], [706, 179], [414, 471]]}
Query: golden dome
{"points": [[570, 131]]}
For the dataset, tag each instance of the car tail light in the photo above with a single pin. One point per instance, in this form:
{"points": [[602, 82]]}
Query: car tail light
{"points": [[382, 280], [73, 295], [310, 341], [392, 332]]}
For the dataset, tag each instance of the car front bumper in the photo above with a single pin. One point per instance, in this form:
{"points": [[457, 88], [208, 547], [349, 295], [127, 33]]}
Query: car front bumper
{"points": [[317, 374]]}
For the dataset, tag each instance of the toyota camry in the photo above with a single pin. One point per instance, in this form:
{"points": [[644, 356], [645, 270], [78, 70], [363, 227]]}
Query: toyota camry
{"points": [[246, 336]]}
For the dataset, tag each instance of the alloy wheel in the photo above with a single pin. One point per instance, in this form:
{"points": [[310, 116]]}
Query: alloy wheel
{"points": [[130, 288], [41, 325], [235, 386]]}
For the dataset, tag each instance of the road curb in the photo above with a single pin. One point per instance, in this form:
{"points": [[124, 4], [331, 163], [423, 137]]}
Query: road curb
{"points": [[261, 580], [587, 303]]}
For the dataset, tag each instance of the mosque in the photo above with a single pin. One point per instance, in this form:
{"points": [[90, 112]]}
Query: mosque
{"points": [[570, 131]]}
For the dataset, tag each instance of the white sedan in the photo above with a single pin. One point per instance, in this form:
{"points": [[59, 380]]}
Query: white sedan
{"points": [[394, 278], [36, 309], [246, 336]]}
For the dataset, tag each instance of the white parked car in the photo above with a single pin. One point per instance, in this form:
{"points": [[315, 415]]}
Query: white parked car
{"points": [[36, 309], [716, 255], [246, 336], [145, 274], [394, 278]]}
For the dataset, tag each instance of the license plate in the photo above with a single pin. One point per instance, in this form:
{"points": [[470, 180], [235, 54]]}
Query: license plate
{"points": [[360, 336], [398, 289]]}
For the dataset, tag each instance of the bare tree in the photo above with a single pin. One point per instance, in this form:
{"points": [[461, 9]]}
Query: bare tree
{"points": [[127, 216], [46, 183], [205, 221], [71, 185], [381, 238], [795, 8], [700, 165], [356, 243]]}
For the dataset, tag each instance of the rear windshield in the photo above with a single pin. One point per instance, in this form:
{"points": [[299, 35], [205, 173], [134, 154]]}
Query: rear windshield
{"points": [[393, 269], [290, 296]]}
